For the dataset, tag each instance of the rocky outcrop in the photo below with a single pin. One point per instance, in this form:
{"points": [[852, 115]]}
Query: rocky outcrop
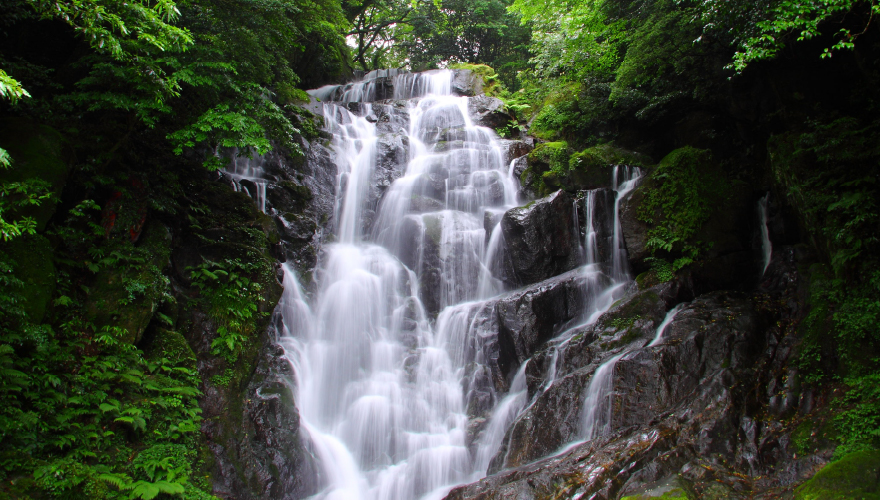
{"points": [[466, 83], [540, 237], [527, 318], [705, 411], [635, 231], [488, 111]]}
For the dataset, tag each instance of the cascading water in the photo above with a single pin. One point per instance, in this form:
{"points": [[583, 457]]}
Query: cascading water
{"points": [[386, 395], [766, 245], [247, 175], [379, 388], [596, 418]]}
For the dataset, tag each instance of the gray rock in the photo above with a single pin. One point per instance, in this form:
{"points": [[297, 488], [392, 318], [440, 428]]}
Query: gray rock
{"points": [[488, 111], [527, 318], [541, 239], [677, 411], [466, 83]]}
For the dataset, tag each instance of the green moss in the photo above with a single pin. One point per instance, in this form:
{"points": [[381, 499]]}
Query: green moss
{"points": [[300, 194], [647, 279], [679, 197], [546, 163], [491, 85], [171, 345], [36, 152], [34, 267], [855, 476]]}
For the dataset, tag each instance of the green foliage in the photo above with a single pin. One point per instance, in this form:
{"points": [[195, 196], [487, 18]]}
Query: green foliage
{"points": [[679, 197], [15, 196], [123, 29], [11, 89], [436, 34], [232, 300], [831, 172], [78, 402], [847, 478], [762, 31]]}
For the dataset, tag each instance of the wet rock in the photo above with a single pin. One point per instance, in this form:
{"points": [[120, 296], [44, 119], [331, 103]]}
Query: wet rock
{"points": [[529, 317], [555, 417], [514, 149], [488, 111], [677, 413], [635, 232], [268, 457], [541, 239], [466, 83]]}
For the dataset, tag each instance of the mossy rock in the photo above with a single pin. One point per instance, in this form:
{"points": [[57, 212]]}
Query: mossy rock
{"points": [[673, 494], [491, 84], [36, 152], [34, 267], [171, 345], [127, 295], [669, 489], [546, 164], [855, 476], [592, 168]]}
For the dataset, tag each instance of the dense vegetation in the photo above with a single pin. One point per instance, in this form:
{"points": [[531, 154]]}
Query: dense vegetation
{"points": [[781, 94], [113, 113]]}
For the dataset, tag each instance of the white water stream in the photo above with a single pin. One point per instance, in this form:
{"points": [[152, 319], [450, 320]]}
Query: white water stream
{"points": [[383, 390], [766, 245]]}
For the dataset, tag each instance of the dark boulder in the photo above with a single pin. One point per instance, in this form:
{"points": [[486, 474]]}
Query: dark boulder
{"points": [[488, 111], [527, 318], [541, 238]]}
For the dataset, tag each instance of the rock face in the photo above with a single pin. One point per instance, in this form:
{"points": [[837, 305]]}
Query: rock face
{"points": [[541, 239], [703, 410], [527, 318], [488, 111], [467, 83]]}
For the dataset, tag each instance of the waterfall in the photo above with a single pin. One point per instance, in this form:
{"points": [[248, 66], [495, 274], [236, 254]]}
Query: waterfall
{"points": [[766, 245], [590, 242], [385, 393], [662, 328], [378, 385], [597, 414], [248, 176], [630, 179]]}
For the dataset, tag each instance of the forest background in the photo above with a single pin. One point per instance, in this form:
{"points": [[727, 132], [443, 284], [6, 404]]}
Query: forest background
{"points": [[115, 113]]}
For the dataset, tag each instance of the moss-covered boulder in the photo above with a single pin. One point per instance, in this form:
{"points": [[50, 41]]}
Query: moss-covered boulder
{"points": [[685, 212], [474, 79], [127, 296], [592, 168], [552, 166], [855, 476], [545, 164], [33, 266], [36, 152]]}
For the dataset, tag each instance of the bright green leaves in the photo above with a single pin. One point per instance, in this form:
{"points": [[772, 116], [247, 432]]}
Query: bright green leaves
{"points": [[19, 195], [761, 33], [121, 28], [232, 299], [12, 90], [222, 127]]}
